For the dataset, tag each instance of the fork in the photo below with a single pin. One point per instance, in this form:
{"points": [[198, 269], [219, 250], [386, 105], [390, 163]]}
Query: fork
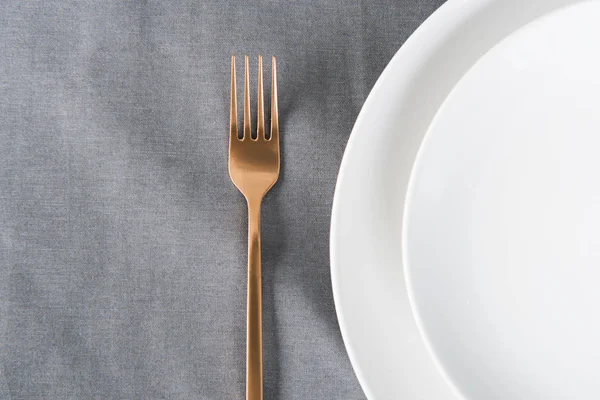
{"points": [[254, 169]]}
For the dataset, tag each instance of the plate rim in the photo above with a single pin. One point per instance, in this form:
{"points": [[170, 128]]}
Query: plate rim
{"points": [[451, 25]]}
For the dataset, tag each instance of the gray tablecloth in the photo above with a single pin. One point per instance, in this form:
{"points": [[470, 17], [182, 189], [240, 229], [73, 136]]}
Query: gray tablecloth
{"points": [[122, 239]]}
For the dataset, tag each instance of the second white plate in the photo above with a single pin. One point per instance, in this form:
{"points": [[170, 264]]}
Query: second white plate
{"points": [[502, 224]]}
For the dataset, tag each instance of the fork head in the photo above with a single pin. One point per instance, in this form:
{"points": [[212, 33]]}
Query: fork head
{"points": [[254, 159]]}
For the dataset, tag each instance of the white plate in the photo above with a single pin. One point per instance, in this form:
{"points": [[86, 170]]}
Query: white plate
{"points": [[502, 218], [381, 335]]}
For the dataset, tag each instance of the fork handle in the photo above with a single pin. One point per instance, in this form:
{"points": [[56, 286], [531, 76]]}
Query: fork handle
{"points": [[254, 361]]}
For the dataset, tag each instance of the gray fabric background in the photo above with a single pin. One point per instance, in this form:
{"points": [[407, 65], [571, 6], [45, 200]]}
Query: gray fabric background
{"points": [[122, 239]]}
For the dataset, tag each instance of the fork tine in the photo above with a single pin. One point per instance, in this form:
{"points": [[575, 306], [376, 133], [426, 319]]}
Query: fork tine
{"points": [[247, 117], [260, 134], [274, 108], [233, 128]]}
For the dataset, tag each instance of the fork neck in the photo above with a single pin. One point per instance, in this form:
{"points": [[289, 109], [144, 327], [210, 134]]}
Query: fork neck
{"points": [[254, 202], [254, 206]]}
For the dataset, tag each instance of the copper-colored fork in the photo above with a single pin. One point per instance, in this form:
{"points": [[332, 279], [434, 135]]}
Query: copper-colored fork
{"points": [[254, 169]]}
